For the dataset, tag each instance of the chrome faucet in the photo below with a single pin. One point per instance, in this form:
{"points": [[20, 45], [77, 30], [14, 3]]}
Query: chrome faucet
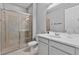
{"points": [[56, 34]]}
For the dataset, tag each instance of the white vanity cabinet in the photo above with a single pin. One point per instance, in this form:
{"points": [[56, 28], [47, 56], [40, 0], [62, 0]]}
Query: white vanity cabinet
{"points": [[59, 48], [43, 46], [48, 46]]}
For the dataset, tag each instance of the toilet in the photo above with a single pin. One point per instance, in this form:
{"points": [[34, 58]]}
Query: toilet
{"points": [[33, 45]]}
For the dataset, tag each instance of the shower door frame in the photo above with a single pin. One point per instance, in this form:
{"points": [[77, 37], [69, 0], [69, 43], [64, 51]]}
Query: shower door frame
{"points": [[3, 32]]}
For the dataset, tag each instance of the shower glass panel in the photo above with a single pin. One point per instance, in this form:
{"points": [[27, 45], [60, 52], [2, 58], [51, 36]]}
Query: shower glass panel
{"points": [[25, 30], [22, 30], [15, 30], [0, 30], [11, 40]]}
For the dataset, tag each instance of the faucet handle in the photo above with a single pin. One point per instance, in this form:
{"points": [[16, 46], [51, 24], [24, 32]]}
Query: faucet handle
{"points": [[56, 34]]}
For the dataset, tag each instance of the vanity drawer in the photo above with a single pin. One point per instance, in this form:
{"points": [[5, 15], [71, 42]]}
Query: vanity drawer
{"points": [[62, 47], [54, 51], [43, 40]]}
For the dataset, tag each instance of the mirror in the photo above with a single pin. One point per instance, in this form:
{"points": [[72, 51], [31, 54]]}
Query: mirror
{"points": [[64, 18], [72, 19]]}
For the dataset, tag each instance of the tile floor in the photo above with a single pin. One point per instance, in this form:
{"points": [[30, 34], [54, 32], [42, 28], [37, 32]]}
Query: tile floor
{"points": [[25, 51]]}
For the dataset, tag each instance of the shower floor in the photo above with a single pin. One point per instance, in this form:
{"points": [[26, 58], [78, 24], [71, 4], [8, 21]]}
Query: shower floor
{"points": [[24, 51]]}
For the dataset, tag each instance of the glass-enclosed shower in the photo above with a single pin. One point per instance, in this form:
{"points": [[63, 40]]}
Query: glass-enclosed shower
{"points": [[15, 30]]}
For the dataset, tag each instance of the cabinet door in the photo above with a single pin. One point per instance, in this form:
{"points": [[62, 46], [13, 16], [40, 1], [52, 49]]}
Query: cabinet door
{"points": [[0, 30], [63, 47], [43, 48], [54, 51]]}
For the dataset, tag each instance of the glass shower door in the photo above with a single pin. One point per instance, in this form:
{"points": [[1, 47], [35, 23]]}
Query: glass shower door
{"points": [[11, 41], [25, 29], [22, 30], [15, 30]]}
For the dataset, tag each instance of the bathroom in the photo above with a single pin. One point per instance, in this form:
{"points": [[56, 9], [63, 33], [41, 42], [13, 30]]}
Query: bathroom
{"points": [[39, 28]]}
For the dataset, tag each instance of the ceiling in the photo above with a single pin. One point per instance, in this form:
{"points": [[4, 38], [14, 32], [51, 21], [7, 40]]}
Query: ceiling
{"points": [[24, 5]]}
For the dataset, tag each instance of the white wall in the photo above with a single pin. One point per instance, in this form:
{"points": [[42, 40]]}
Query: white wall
{"points": [[41, 17], [30, 9], [72, 19], [34, 20], [57, 16], [1, 6]]}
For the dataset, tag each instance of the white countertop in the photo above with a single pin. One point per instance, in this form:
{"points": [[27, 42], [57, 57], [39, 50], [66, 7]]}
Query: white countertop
{"points": [[72, 40]]}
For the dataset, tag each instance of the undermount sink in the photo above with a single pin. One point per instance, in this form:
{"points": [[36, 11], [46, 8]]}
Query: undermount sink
{"points": [[54, 36]]}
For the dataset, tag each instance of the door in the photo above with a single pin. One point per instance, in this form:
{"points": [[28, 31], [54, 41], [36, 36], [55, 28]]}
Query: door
{"points": [[11, 40], [43, 48]]}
